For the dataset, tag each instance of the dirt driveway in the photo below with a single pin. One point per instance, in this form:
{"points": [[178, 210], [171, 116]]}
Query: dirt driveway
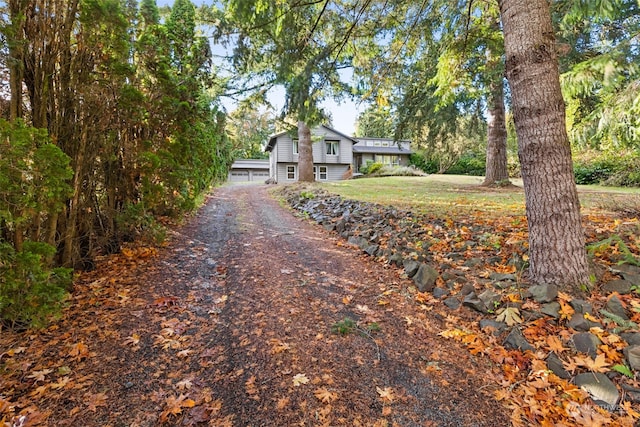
{"points": [[249, 317]]}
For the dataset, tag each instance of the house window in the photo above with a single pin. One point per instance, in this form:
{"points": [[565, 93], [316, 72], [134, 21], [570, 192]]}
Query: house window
{"points": [[323, 176], [295, 146], [385, 143], [291, 173], [332, 147], [377, 143], [387, 159]]}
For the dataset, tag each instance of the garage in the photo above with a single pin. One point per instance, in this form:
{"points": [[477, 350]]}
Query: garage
{"points": [[249, 170]]}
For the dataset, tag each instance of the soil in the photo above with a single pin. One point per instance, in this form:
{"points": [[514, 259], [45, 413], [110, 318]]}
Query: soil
{"points": [[249, 316]]}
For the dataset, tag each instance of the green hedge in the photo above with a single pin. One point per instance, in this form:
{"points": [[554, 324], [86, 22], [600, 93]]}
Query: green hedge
{"points": [[620, 170]]}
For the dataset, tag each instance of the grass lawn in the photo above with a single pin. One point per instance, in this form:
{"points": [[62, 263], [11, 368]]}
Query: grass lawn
{"points": [[451, 194]]}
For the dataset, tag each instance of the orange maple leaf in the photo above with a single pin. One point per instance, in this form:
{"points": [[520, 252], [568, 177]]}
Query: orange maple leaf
{"points": [[554, 344], [79, 351], [325, 396], [174, 406]]}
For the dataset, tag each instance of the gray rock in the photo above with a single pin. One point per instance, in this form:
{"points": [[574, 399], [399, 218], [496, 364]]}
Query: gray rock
{"points": [[556, 366], [372, 250], [631, 338], [473, 262], [449, 275], [455, 256], [502, 285], [498, 327], [466, 289], [586, 342], [411, 267], [614, 305], [353, 240], [439, 292], [517, 341], [581, 306], [490, 299], [579, 323], [472, 301], [551, 309], [396, 259], [452, 303], [620, 286], [627, 271], [329, 226], [425, 278], [502, 277], [632, 353], [544, 293], [599, 386], [494, 260]]}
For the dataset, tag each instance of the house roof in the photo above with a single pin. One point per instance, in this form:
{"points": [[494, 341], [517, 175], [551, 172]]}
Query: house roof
{"points": [[273, 138], [250, 164], [380, 150]]}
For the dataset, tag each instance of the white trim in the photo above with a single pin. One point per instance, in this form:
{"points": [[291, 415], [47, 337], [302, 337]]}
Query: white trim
{"points": [[332, 147], [320, 173], [294, 171]]}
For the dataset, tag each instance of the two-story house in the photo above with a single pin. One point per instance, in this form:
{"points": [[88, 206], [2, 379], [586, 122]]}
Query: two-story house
{"points": [[336, 156], [332, 155]]}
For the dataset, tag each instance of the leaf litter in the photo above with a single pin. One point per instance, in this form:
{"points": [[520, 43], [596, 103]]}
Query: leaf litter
{"points": [[158, 336]]}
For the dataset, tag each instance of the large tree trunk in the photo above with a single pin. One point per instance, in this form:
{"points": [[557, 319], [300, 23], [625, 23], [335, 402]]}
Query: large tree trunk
{"points": [[496, 165], [305, 153], [556, 238]]}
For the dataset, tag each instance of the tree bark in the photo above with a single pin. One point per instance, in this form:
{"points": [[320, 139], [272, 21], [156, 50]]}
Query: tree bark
{"points": [[305, 153], [496, 163], [556, 237]]}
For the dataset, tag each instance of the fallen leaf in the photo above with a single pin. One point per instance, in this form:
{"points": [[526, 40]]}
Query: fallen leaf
{"points": [[509, 315], [134, 339], [554, 344], [283, 402], [79, 351], [325, 396], [95, 400], [386, 394], [184, 384], [174, 406], [40, 375], [299, 379]]}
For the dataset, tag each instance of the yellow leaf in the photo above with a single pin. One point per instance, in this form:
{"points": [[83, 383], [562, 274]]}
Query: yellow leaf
{"points": [[453, 333], [300, 379]]}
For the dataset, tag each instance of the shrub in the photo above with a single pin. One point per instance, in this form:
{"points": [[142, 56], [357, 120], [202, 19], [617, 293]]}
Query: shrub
{"points": [[615, 169], [30, 291], [371, 167], [421, 162], [468, 164], [135, 222], [388, 170]]}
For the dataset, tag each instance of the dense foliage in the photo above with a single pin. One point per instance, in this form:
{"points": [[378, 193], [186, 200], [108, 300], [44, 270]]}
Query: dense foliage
{"points": [[112, 122]]}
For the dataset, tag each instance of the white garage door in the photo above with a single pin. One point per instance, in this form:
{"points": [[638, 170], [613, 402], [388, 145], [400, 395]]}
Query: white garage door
{"points": [[239, 176], [260, 175]]}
